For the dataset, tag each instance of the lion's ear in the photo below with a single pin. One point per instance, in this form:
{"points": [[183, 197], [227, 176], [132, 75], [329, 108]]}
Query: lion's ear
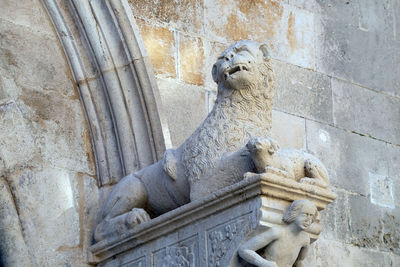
{"points": [[264, 50]]}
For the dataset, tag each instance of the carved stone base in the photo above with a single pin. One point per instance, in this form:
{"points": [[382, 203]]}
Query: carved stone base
{"points": [[209, 231]]}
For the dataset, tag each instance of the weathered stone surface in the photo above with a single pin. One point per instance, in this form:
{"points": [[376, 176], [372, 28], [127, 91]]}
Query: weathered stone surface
{"points": [[47, 202], [29, 14], [13, 250], [366, 112], [302, 92], [19, 45], [160, 44], [279, 23], [17, 143], [336, 254], [57, 122], [381, 190], [185, 15], [186, 108], [310, 5], [288, 130], [191, 59], [350, 157], [336, 219], [365, 232], [390, 233], [356, 43]]}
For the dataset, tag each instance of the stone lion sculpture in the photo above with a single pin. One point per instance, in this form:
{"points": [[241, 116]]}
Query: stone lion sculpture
{"points": [[213, 157], [289, 163]]}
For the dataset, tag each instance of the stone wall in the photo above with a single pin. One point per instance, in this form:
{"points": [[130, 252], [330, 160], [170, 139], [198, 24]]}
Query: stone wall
{"points": [[337, 95], [337, 67]]}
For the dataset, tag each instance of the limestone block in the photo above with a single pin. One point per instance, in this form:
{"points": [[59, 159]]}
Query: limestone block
{"points": [[33, 61], [336, 219], [356, 42], [47, 201], [351, 157], [365, 111], [303, 92], [191, 59], [187, 16], [28, 13], [187, 108], [13, 250], [160, 45], [336, 254], [288, 130], [365, 232], [273, 22], [208, 231], [17, 144], [390, 234], [59, 129]]}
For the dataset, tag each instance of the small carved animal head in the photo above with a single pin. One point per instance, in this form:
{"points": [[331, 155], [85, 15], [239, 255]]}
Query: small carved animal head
{"points": [[260, 144], [243, 65]]}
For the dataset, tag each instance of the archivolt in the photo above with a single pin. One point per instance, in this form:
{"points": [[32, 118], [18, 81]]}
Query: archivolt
{"points": [[115, 81]]}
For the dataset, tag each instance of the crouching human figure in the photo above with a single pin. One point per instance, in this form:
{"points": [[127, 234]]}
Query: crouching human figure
{"points": [[286, 245]]}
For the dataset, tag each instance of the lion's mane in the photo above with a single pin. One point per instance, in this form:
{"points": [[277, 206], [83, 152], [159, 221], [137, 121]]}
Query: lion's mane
{"points": [[237, 116]]}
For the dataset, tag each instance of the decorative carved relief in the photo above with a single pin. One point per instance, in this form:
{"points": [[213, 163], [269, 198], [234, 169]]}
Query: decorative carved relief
{"points": [[182, 254], [220, 241], [178, 257]]}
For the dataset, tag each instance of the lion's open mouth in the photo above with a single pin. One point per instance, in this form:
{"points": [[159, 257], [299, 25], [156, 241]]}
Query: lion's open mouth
{"points": [[234, 70]]}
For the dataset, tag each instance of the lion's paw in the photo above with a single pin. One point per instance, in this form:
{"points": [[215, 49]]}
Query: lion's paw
{"points": [[136, 216]]}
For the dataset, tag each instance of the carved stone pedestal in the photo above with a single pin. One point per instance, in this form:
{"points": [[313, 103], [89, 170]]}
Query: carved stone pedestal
{"points": [[208, 232]]}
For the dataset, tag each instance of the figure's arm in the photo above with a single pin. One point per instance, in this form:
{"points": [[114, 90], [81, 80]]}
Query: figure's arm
{"points": [[248, 250], [301, 257]]}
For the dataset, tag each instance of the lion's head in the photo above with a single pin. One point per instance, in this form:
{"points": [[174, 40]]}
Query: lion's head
{"points": [[244, 65]]}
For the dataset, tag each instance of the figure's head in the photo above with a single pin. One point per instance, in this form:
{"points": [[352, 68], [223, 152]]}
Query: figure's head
{"points": [[243, 65], [302, 212]]}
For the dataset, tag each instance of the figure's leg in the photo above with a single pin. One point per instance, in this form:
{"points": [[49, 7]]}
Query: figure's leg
{"points": [[123, 208]]}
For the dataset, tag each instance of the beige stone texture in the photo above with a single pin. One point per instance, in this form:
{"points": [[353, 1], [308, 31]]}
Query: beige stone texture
{"points": [[160, 45], [191, 59], [289, 31], [187, 15]]}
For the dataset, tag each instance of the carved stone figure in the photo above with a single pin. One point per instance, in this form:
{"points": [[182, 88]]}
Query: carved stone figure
{"points": [[289, 163], [213, 157], [283, 246]]}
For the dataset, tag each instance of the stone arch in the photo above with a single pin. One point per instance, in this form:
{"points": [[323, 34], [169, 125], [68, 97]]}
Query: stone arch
{"points": [[116, 84]]}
